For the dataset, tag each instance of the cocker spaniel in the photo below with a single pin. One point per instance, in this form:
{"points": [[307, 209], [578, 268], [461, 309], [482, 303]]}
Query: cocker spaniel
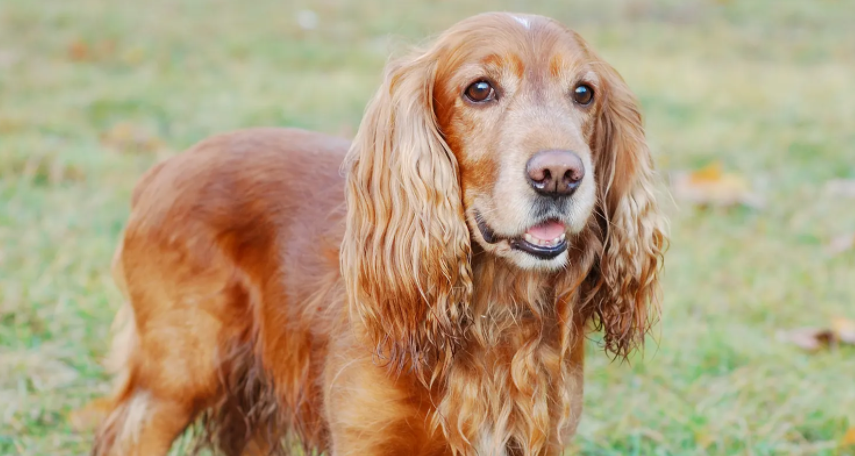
{"points": [[433, 298]]}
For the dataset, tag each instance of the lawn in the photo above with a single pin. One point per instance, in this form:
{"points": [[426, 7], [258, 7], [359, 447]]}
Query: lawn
{"points": [[93, 92]]}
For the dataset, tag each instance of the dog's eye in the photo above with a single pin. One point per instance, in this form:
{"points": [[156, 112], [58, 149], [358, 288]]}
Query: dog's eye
{"points": [[583, 94], [480, 92]]}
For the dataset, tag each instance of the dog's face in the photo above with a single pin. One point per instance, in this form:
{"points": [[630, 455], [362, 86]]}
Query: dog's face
{"points": [[516, 99], [507, 135]]}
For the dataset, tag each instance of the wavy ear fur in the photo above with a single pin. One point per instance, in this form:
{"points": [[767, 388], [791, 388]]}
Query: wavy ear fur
{"points": [[406, 251], [622, 290]]}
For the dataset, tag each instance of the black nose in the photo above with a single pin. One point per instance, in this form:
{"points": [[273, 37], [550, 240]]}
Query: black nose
{"points": [[555, 173]]}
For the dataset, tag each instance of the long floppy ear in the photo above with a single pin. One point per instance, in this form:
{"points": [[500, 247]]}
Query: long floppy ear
{"points": [[622, 289], [406, 251]]}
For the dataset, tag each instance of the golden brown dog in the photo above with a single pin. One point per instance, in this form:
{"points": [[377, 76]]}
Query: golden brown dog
{"points": [[431, 299]]}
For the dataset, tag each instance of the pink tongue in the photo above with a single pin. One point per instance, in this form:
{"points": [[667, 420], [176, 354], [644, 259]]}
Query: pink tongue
{"points": [[547, 231]]}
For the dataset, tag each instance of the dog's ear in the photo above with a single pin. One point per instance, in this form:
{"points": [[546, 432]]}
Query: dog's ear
{"points": [[622, 290], [406, 251]]}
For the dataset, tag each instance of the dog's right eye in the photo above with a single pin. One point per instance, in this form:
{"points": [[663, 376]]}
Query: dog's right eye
{"points": [[480, 92]]}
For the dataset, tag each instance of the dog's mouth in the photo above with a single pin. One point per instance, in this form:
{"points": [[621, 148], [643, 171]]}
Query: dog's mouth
{"points": [[545, 240]]}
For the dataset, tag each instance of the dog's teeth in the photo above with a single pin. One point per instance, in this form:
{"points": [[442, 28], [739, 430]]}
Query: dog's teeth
{"points": [[563, 236], [543, 242]]}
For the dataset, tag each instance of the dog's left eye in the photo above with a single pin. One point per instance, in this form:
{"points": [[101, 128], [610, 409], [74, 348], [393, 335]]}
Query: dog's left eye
{"points": [[583, 94], [480, 92]]}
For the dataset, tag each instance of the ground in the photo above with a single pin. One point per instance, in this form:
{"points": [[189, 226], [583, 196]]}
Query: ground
{"points": [[93, 92]]}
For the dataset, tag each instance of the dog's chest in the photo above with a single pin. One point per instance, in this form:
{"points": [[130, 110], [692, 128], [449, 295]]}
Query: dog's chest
{"points": [[508, 391]]}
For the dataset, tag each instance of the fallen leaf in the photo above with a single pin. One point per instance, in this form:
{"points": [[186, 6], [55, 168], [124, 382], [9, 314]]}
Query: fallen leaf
{"points": [[79, 51], [841, 187], [810, 339], [841, 331], [709, 173], [710, 185], [84, 51], [844, 329], [841, 244], [848, 438]]}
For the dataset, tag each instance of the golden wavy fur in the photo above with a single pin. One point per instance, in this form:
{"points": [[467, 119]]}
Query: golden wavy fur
{"points": [[432, 301]]}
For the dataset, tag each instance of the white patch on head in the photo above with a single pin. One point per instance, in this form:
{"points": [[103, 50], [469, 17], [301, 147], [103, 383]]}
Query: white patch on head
{"points": [[525, 22]]}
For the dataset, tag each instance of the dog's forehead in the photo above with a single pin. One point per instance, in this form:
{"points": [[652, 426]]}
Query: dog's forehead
{"points": [[514, 40]]}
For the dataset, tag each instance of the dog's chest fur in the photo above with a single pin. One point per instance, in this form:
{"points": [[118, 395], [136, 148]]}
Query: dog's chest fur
{"points": [[510, 388]]}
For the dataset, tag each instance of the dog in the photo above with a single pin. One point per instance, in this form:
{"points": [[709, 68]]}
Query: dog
{"points": [[424, 290]]}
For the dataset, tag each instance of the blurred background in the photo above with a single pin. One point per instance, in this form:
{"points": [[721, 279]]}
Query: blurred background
{"points": [[750, 113]]}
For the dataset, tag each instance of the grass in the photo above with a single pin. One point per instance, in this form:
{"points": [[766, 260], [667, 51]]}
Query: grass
{"points": [[93, 92]]}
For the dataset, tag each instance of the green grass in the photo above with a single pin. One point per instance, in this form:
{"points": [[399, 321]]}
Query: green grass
{"points": [[93, 92]]}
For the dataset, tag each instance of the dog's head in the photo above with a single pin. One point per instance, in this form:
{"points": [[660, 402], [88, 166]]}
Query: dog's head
{"points": [[510, 136]]}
